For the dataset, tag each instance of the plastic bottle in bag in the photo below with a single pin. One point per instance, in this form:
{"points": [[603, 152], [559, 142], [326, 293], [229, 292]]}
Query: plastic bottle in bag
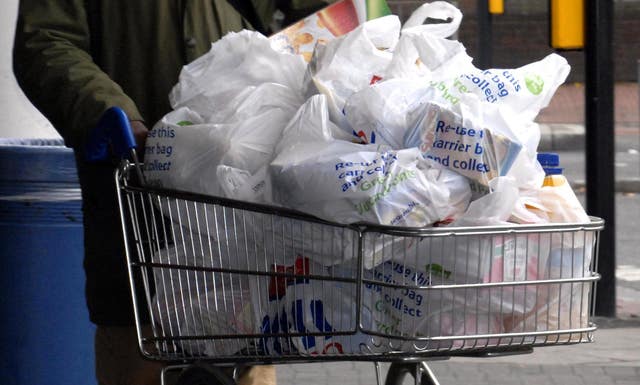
{"points": [[556, 194]]}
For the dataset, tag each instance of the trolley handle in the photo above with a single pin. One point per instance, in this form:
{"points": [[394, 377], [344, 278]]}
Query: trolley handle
{"points": [[113, 129], [113, 134]]}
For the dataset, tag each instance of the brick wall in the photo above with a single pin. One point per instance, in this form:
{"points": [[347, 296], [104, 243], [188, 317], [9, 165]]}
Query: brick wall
{"points": [[521, 35]]}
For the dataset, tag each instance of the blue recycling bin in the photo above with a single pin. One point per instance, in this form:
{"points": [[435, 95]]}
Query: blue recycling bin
{"points": [[46, 335]]}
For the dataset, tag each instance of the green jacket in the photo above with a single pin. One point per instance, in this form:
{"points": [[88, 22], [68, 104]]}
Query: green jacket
{"points": [[76, 58]]}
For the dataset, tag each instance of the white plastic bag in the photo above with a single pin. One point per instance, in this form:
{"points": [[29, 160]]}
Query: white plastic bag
{"points": [[348, 183], [384, 112], [301, 180], [427, 70], [254, 100], [351, 62], [226, 158], [420, 53], [524, 90], [188, 157], [305, 305], [493, 209], [440, 10], [235, 62], [410, 312]]}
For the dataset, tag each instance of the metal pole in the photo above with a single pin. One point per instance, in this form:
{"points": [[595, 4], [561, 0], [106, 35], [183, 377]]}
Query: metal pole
{"points": [[600, 143], [484, 35]]}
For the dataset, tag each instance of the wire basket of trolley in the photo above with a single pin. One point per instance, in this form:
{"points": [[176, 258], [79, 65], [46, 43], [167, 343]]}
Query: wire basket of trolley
{"points": [[228, 283]]}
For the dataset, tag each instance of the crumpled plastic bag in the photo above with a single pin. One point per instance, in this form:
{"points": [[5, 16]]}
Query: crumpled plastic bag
{"points": [[411, 312], [235, 62], [511, 98], [524, 90], [386, 111], [209, 144], [184, 153], [406, 113], [420, 53], [254, 100], [306, 305], [348, 183], [448, 15], [429, 75], [493, 209], [351, 62], [299, 181]]}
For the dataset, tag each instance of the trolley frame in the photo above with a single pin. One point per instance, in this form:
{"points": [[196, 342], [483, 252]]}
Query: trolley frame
{"points": [[153, 219]]}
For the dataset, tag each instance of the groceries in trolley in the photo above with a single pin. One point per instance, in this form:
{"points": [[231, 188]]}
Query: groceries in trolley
{"points": [[384, 127], [467, 291]]}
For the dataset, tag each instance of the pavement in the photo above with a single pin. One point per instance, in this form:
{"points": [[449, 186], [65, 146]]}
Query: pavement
{"points": [[614, 358], [614, 355]]}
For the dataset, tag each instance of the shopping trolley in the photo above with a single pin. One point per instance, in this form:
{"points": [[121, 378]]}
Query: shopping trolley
{"points": [[229, 283]]}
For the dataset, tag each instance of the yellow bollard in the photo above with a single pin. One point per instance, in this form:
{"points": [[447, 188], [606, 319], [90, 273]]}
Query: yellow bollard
{"points": [[566, 24], [496, 7]]}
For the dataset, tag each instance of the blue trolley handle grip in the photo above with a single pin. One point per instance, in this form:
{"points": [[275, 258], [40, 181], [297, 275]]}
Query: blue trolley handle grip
{"points": [[112, 128]]}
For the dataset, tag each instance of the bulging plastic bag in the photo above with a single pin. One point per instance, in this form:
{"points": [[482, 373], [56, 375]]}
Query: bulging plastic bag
{"points": [[302, 306], [229, 158], [433, 77], [407, 311], [511, 98], [235, 62], [226, 159], [304, 177], [524, 90], [385, 112], [348, 183]]}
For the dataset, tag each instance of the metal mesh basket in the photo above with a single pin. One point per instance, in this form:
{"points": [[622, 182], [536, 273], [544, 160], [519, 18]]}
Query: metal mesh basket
{"points": [[229, 281]]}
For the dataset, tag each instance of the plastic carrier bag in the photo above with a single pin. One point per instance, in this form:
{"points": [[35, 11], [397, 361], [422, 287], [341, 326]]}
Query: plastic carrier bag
{"points": [[351, 62], [209, 143], [429, 77], [348, 183], [307, 305], [235, 62], [185, 153]]}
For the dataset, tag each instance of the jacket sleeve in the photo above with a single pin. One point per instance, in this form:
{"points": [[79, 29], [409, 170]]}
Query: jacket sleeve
{"points": [[55, 69]]}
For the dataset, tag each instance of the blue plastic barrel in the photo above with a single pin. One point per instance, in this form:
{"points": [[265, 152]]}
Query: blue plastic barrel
{"points": [[46, 336]]}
